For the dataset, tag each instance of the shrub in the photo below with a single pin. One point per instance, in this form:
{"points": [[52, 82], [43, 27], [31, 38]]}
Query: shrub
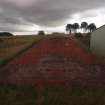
{"points": [[6, 34], [41, 33], [78, 35]]}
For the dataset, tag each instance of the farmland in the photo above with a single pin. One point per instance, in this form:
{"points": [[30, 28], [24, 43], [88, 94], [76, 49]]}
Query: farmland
{"points": [[55, 95], [12, 46], [55, 71]]}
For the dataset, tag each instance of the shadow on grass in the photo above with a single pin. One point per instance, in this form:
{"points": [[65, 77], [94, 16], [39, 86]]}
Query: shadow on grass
{"points": [[50, 95]]}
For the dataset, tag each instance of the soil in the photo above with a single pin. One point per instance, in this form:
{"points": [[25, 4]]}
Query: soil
{"points": [[56, 60]]}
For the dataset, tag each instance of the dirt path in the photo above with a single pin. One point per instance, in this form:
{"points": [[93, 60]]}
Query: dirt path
{"points": [[55, 60]]}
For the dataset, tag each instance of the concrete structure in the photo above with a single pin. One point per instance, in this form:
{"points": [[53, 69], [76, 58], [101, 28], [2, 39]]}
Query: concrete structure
{"points": [[97, 43]]}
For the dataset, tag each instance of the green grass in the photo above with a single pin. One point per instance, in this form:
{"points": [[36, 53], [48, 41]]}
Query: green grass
{"points": [[13, 46], [29, 95]]}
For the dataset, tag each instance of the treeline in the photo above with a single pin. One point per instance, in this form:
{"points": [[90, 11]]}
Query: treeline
{"points": [[7, 34], [85, 27]]}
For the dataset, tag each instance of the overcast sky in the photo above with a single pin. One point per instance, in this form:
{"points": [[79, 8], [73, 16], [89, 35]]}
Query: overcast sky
{"points": [[33, 15]]}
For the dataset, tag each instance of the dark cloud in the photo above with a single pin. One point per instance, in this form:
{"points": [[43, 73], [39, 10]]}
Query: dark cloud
{"points": [[43, 12]]}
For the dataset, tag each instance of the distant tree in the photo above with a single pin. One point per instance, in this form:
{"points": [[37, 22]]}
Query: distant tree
{"points": [[84, 26], [41, 33], [2, 34], [75, 27], [69, 28], [91, 27]]}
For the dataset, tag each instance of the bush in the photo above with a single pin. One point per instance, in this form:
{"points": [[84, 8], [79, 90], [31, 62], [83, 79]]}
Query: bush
{"points": [[41, 33], [6, 34], [78, 35]]}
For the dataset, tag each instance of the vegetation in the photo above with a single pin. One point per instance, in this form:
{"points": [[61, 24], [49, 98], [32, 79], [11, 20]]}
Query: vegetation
{"points": [[5, 34], [72, 28], [84, 26], [11, 47], [84, 40], [69, 28], [84, 37], [56, 95], [91, 27], [75, 27], [17, 95], [78, 34], [41, 33]]}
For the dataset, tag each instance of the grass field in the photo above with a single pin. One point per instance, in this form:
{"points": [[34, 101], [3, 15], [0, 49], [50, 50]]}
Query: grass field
{"points": [[75, 92], [10, 47], [28, 95]]}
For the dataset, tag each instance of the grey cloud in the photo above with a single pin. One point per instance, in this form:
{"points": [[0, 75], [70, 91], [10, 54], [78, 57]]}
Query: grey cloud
{"points": [[44, 12], [92, 13], [50, 12]]}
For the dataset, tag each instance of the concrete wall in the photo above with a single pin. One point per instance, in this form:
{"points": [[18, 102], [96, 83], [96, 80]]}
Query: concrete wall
{"points": [[97, 42]]}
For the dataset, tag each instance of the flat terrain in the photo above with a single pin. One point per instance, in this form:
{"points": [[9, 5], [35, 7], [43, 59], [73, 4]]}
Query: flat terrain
{"points": [[61, 72], [11, 46]]}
